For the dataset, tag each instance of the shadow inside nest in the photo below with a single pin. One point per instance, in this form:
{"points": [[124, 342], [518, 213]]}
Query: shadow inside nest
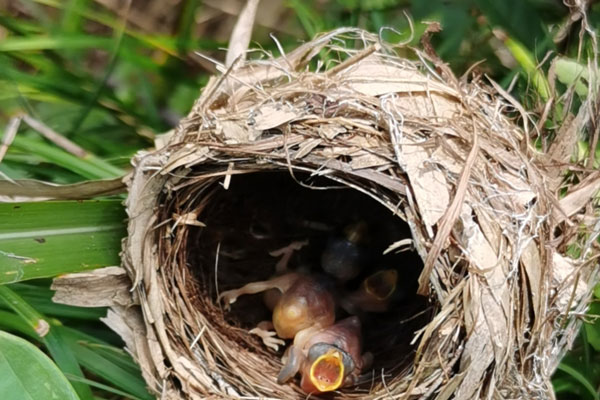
{"points": [[262, 212]]}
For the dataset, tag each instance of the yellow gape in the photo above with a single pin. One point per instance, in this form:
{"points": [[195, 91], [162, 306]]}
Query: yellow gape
{"points": [[382, 284], [327, 372]]}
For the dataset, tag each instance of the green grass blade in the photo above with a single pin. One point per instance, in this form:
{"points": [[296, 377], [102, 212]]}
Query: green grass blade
{"points": [[57, 346], [66, 360], [527, 61], [591, 330], [110, 353], [572, 73], [90, 167], [106, 388], [70, 346], [186, 24], [111, 372], [153, 41], [67, 42], [29, 374], [61, 86], [578, 376], [71, 18], [517, 17], [92, 356], [585, 344], [9, 321], [47, 239], [561, 385], [311, 22], [28, 314], [102, 84]]}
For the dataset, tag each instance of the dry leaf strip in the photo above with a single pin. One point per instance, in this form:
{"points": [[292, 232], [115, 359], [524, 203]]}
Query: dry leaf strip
{"points": [[443, 157]]}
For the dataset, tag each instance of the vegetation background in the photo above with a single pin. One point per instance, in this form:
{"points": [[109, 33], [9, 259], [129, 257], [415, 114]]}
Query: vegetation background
{"points": [[85, 84]]}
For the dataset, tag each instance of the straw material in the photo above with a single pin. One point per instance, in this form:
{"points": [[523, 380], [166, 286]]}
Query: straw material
{"points": [[440, 153]]}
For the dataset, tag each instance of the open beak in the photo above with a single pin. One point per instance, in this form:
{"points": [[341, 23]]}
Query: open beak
{"points": [[327, 371], [382, 284]]}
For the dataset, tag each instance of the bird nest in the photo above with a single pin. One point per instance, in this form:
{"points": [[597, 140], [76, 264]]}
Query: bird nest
{"points": [[292, 149]]}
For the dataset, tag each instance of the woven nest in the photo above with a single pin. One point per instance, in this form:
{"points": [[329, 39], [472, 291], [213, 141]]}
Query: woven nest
{"points": [[277, 150]]}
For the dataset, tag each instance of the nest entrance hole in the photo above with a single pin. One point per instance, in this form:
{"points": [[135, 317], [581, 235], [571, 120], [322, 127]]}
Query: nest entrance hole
{"points": [[264, 211]]}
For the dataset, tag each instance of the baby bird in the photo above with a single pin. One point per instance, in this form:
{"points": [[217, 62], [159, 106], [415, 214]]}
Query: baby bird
{"points": [[303, 302], [374, 294], [327, 358], [344, 257]]}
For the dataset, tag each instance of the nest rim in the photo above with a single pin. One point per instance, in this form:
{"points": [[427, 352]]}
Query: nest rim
{"points": [[227, 154]]}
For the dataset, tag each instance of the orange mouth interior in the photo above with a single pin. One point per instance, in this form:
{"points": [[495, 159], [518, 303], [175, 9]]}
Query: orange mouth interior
{"points": [[327, 372]]}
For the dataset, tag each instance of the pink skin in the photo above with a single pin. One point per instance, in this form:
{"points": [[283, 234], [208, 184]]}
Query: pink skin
{"points": [[286, 254], [303, 302], [344, 336]]}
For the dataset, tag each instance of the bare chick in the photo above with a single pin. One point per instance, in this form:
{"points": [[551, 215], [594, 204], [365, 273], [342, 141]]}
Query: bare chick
{"points": [[306, 301], [327, 358], [343, 257], [374, 294]]}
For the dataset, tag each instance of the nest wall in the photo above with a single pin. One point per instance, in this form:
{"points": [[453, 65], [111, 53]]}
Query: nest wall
{"points": [[438, 153]]}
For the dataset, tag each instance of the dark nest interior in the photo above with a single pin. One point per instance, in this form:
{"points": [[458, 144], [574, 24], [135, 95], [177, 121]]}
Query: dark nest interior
{"points": [[266, 211]]}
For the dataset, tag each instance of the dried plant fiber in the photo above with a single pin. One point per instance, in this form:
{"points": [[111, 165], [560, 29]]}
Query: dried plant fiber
{"points": [[450, 157]]}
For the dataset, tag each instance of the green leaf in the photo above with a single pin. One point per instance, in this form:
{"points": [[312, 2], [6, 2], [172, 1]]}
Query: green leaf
{"points": [[47, 239], [570, 72], [310, 20], [65, 358], [71, 348], [106, 388], [563, 385], [28, 374], [108, 362], [90, 167], [63, 86], [54, 43], [151, 41], [580, 378], [109, 370], [592, 330], [518, 18], [101, 85], [187, 22], [527, 61], [114, 355], [9, 321], [71, 19], [50, 336]]}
